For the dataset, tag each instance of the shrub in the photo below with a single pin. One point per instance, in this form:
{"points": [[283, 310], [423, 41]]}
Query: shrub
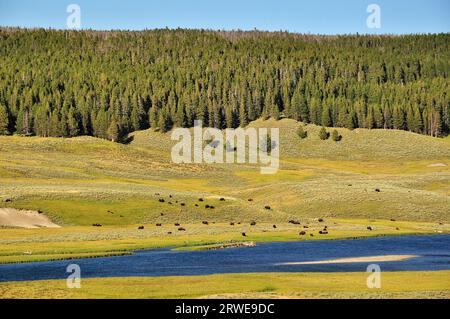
{"points": [[302, 133], [335, 136], [323, 134]]}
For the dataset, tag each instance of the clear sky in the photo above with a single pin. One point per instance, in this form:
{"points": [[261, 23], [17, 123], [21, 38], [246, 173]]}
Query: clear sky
{"points": [[315, 16]]}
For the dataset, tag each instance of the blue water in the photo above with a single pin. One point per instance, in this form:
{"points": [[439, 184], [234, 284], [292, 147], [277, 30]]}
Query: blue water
{"points": [[434, 251]]}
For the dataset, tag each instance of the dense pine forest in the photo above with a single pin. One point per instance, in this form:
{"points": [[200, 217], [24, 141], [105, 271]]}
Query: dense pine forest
{"points": [[107, 84]]}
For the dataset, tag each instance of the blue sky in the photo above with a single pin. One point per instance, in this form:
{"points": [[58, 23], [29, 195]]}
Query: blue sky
{"points": [[314, 16]]}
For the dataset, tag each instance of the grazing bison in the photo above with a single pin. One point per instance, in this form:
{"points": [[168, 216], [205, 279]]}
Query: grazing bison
{"points": [[205, 222], [222, 199], [377, 190], [170, 196], [392, 220], [396, 228], [161, 200], [158, 224], [323, 232], [183, 204], [162, 214], [170, 203], [169, 233], [200, 199], [250, 199], [294, 222], [181, 229], [253, 223], [305, 226], [231, 224], [267, 207], [141, 227], [320, 220], [206, 206], [177, 224], [369, 228], [157, 194], [211, 207], [312, 235], [97, 225], [302, 233], [274, 226], [40, 211], [244, 234], [8, 200]]}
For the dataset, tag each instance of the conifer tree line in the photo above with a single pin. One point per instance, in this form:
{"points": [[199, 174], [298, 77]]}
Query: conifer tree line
{"points": [[110, 83]]}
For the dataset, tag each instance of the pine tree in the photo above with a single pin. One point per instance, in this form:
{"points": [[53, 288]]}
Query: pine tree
{"points": [[335, 136], [323, 134], [73, 122], [113, 131], [153, 117], [301, 132], [243, 118], [4, 121], [326, 116], [165, 122]]}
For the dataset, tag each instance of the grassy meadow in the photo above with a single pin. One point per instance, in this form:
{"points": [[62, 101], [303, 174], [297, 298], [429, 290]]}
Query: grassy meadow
{"points": [[395, 181], [420, 284]]}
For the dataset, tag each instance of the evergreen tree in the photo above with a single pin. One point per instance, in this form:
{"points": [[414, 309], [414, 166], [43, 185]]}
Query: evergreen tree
{"points": [[323, 134], [73, 122], [301, 132], [113, 131], [335, 136], [4, 121]]}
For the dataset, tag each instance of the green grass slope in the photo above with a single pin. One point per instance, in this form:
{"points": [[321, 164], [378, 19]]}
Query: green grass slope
{"points": [[85, 180]]}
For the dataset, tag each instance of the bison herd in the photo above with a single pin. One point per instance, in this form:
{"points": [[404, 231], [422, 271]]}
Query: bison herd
{"points": [[324, 231]]}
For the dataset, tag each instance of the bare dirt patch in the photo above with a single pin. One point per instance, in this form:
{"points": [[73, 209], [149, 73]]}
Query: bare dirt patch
{"points": [[11, 217]]}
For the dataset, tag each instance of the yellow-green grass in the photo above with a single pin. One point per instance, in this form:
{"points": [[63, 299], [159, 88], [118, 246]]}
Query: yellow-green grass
{"points": [[24, 245], [76, 181], [420, 284]]}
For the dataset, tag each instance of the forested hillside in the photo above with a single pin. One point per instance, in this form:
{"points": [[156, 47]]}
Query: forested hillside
{"points": [[106, 84]]}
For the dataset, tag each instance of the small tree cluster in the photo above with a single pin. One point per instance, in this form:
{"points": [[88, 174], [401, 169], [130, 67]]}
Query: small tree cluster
{"points": [[302, 133], [323, 134]]}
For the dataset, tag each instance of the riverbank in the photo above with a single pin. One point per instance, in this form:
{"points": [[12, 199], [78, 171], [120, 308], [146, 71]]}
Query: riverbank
{"points": [[45, 244], [414, 284]]}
